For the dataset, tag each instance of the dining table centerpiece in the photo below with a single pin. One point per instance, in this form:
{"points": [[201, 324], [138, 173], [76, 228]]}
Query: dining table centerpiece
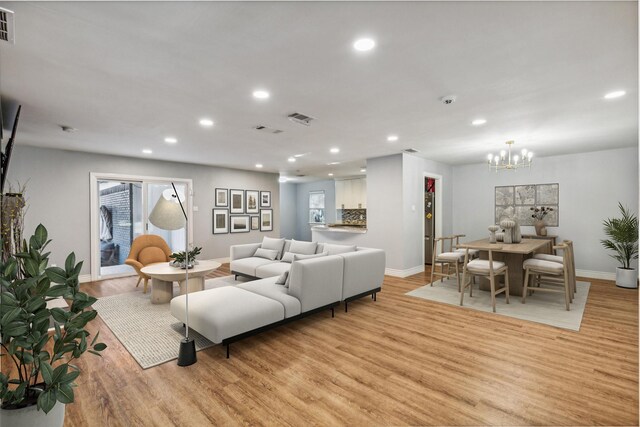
{"points": [[538, 216]]}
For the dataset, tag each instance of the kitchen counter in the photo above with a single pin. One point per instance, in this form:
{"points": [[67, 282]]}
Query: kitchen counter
{"points": [[340, 229]]}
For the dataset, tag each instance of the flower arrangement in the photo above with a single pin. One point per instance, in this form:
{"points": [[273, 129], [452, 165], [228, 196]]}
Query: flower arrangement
{"points": [[541, 212]]}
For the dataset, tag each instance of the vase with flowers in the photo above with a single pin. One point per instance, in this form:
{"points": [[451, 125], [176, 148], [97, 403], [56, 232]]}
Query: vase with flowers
{"points": [[538, 219]]}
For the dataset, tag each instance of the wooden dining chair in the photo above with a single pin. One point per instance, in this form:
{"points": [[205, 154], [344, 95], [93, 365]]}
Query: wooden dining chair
{"points": [[549, 273], [473, 253], [446, 258], [560, 259], [485, 268]]}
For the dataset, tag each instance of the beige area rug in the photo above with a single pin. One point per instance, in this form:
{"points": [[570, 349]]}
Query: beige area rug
{"points": [[541, 307], [148, 331]]}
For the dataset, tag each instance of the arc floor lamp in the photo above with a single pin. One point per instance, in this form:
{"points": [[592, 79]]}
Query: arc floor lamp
{"points": [[169, 214]]}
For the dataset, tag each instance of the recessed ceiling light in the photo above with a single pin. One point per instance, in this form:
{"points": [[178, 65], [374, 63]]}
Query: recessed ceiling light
{"points": [[298, 155], [259, 165], [147, 151], [330, 174], [335, 150], [363, 45], [260, 94], [615, 94], [333, 163], [392, 138], [363, 170], [291, 159], [283, 179], [170, 140], [478, 122], [207, 123]]}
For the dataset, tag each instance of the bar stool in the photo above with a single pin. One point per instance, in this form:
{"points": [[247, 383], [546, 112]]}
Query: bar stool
{"points": [[485, 268], [446, 259], [549, 273]]}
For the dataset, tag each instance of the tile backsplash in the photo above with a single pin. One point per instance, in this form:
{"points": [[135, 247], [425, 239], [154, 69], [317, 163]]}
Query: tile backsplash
{"points": [[354, 215]]}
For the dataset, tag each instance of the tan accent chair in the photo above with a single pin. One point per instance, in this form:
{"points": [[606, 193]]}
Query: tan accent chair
{"points": [[145, 250]]}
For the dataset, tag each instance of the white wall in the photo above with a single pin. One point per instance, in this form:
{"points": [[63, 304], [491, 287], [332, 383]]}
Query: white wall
{"points": [[288, 210], [591, 185], [58, 196]]}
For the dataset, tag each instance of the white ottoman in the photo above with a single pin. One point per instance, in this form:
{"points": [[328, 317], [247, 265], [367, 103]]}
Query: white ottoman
{"points": [[225, 312]]}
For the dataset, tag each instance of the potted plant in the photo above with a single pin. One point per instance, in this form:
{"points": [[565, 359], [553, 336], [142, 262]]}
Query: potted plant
{"points": [[182, 258], [622, 236], [538, 219], [41, 369]]}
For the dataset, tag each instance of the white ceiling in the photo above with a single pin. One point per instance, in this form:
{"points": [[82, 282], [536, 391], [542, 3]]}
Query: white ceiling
{"points": [[129, 74]]}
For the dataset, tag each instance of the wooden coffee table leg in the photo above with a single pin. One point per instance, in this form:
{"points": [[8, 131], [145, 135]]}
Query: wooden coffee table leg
{"points": [[196, 284], [161, 291]]}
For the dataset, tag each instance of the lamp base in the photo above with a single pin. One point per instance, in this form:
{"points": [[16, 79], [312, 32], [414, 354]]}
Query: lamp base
{"points": [[187, 354]]}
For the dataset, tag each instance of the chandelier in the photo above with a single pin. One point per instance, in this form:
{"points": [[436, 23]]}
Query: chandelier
{"points": [[506, 161]]}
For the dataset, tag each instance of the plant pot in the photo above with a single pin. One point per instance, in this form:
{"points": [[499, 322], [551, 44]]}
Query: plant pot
{"points": [[541, 229], [30, 416], [627, 277]]}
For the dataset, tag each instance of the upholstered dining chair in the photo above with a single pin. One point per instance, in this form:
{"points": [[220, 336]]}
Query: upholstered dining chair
{"points": [[560, 259], [145, 250], [550, 273], [446, 257], [485, 268]]}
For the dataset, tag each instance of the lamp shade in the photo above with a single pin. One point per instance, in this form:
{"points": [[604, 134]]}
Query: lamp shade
{"points": [[167, 215]]}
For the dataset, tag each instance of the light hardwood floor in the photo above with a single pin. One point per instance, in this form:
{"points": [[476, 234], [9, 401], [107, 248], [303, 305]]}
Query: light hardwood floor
{"points": [[397, 361]]}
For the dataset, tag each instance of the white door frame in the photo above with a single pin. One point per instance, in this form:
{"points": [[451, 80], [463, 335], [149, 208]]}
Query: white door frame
{"points": [[439, 187], [94, 177]]}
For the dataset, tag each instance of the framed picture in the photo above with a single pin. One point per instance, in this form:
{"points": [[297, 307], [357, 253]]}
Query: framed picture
{"points": [[252, 197], [240, 224], [255, 223], [220, 221], [265, 199], [237, 201], [266, 219], [222, 197]]}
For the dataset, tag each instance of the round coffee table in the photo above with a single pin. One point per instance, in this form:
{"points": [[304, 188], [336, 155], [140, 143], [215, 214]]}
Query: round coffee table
{"points": [[163, 275]]}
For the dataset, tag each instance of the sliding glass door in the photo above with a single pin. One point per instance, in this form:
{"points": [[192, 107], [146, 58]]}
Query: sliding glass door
{"points": [[120, 212]]}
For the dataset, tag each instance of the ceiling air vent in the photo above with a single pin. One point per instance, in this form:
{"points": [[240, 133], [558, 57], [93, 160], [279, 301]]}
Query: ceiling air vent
{"points": [[7, 29], [266, 129], [410, 150], [300, 118]]}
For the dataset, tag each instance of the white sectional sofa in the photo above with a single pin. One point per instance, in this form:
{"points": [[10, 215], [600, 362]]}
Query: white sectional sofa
{"points": [[228, 314]]}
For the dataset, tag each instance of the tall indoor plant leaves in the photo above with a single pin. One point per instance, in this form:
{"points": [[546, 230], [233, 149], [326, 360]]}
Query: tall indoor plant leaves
{"points": [[27, 283], [622, 236]]}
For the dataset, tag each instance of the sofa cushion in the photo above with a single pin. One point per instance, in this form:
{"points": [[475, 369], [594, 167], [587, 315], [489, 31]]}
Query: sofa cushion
{"points": [[271, 243], [269, 254], [287, 257], [249, 265], [298, 257], [303, 248], [269, 289], [332, 249], [282, 279], [228, 311], [272, 269]]}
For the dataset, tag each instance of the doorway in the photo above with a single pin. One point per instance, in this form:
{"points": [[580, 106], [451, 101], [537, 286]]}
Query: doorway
{"points": [[120, 208], [432, 213]]}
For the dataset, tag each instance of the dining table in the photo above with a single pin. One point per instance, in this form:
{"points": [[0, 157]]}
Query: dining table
{"points": [[512, 254]]}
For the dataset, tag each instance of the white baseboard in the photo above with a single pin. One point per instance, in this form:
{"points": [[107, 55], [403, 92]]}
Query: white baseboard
{"points": [[223, 260], [84, 278], [404, 273], [603, 275]]}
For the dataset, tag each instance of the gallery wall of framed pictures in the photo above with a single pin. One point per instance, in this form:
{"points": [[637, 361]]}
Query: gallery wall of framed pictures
{"points": [[241, 211]]}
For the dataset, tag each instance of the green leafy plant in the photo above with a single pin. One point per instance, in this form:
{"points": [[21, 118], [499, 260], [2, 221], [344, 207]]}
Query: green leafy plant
{"points": [[27, 283], [181, 257], [622, 236]]}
